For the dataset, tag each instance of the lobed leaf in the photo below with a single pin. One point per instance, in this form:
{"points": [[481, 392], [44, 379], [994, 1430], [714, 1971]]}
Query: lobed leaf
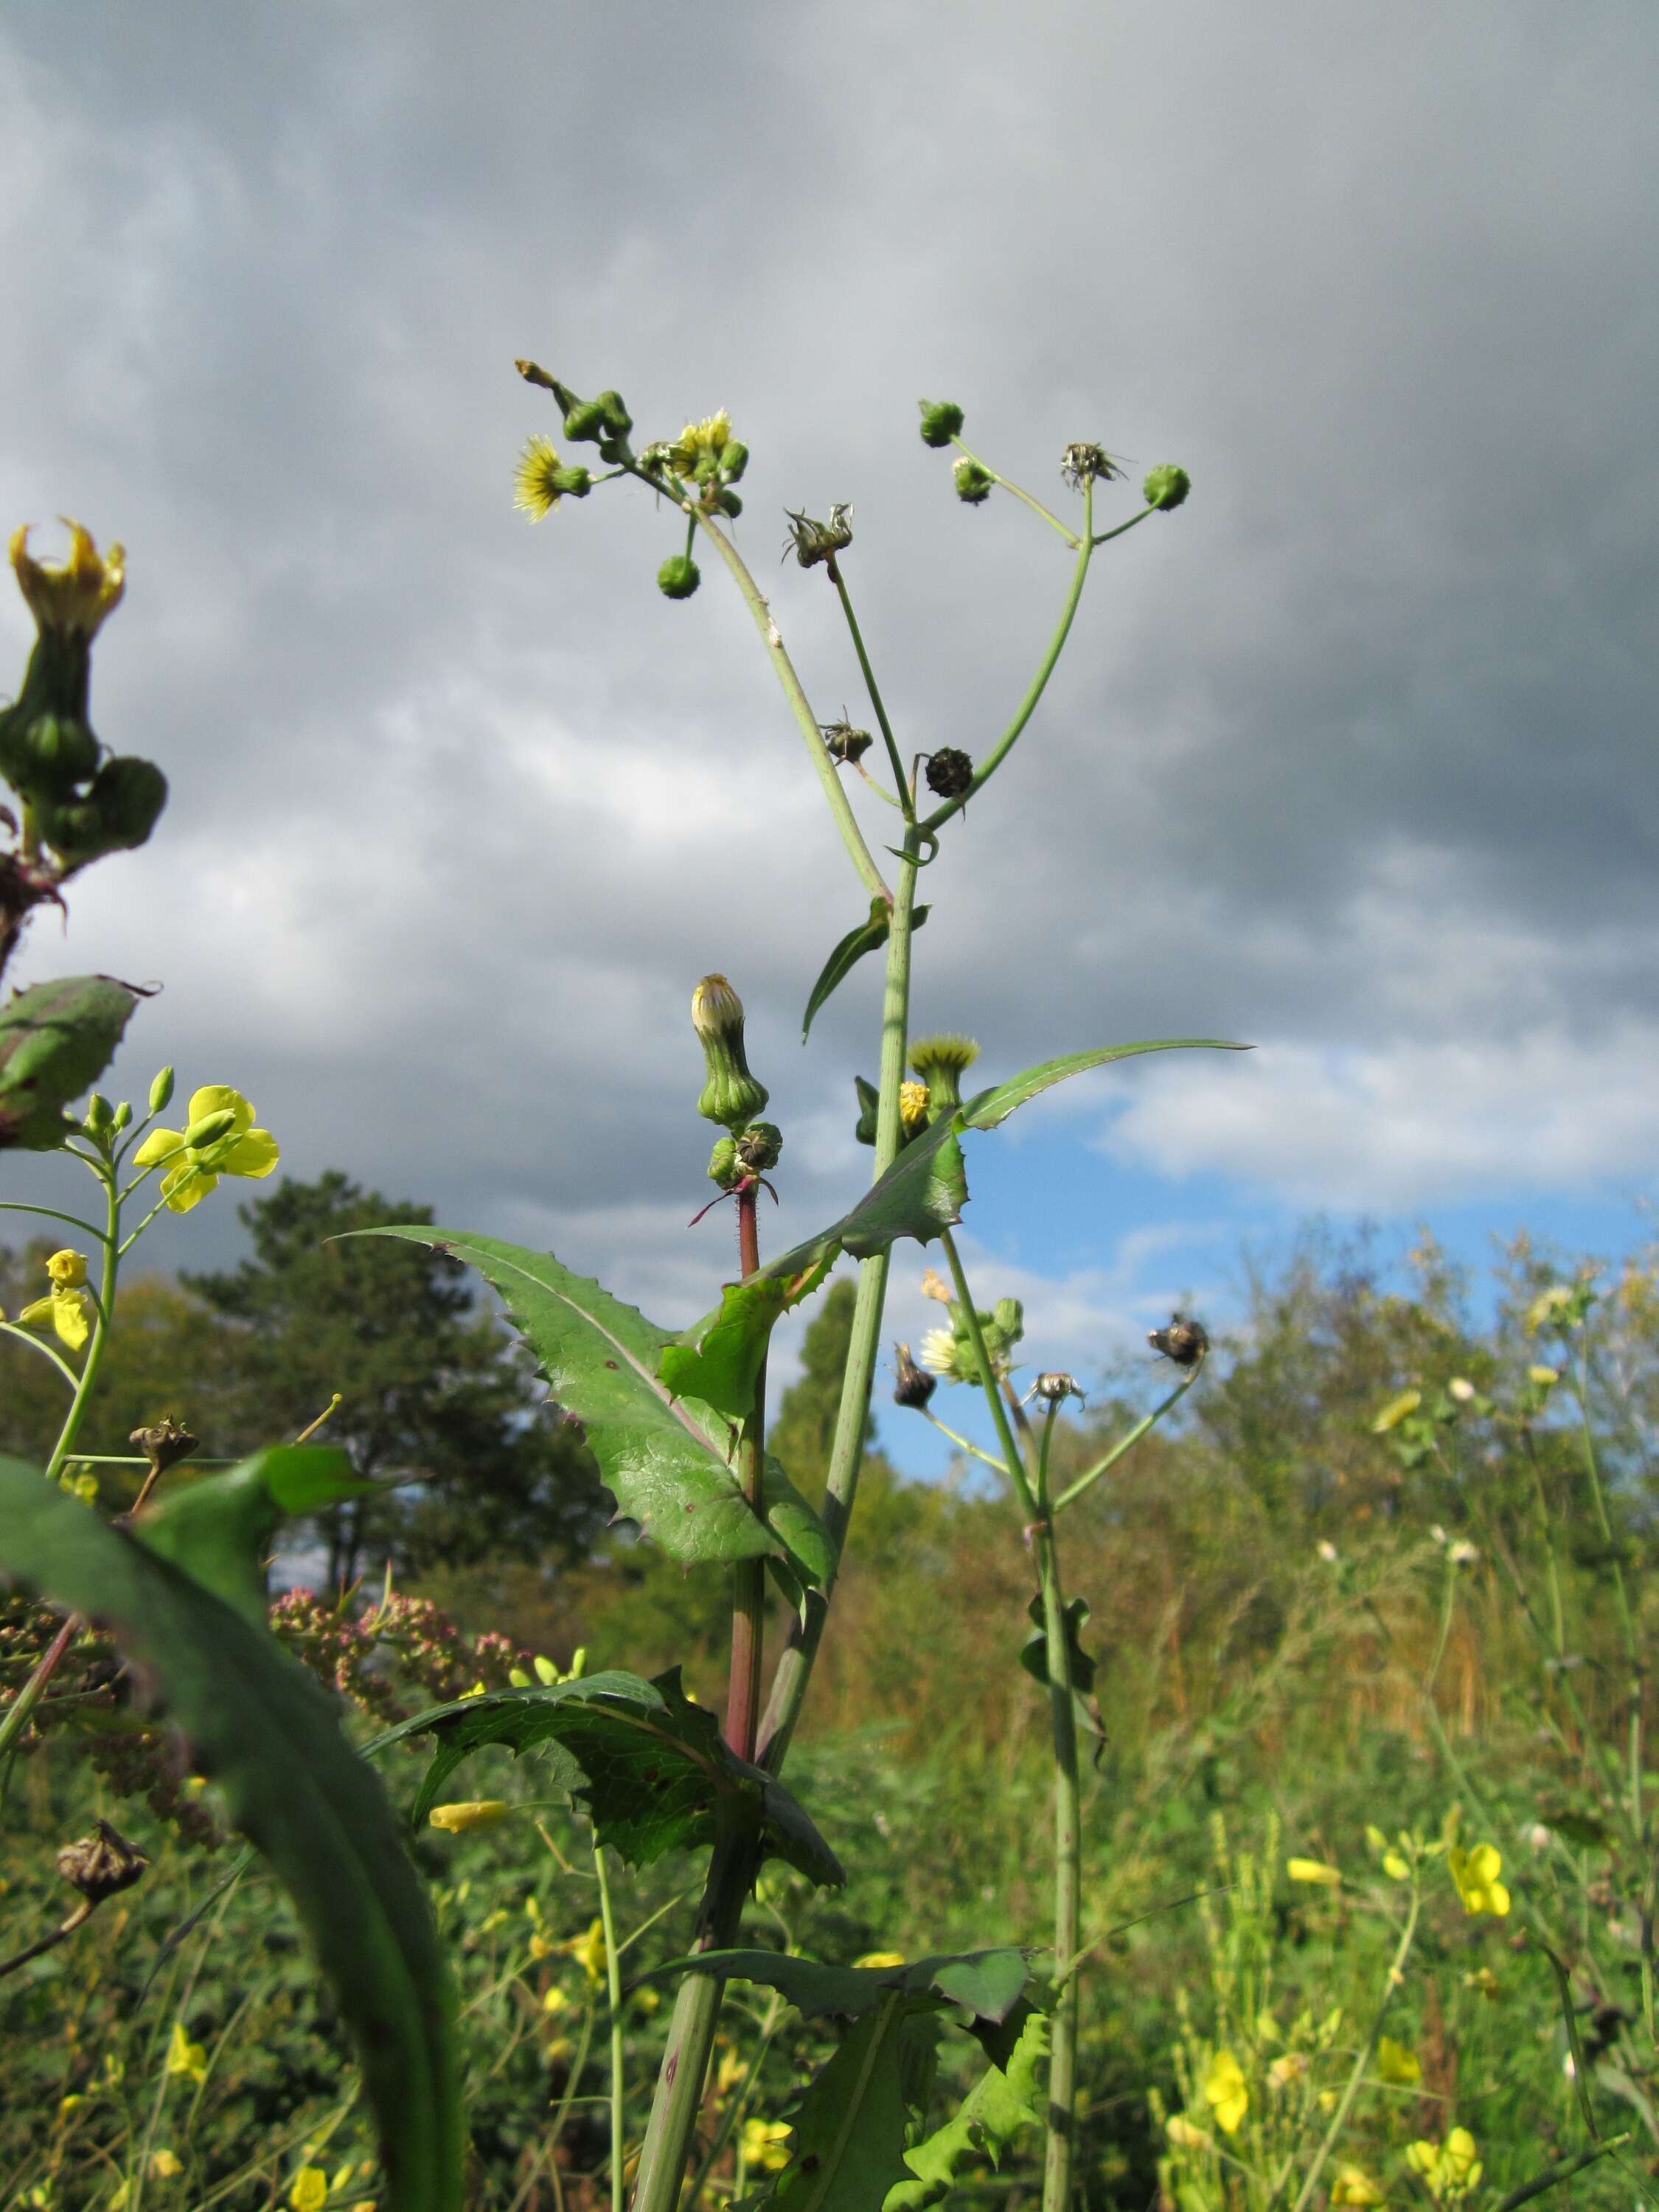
{"points": [[850, 2126], [647, 1766], [999, 2107], [257, 1725]]}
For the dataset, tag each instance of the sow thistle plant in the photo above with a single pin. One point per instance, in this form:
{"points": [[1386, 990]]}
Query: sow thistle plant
{"points": [[677, 1420]]}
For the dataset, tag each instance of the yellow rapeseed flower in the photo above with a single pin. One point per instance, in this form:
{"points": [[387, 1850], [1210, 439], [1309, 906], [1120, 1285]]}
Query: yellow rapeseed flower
{"points": [[185, 2057], [1397, 2065], [68, 1307], [589, 1952], [1475, 1873], [1450, 2169], [535, 493], [73, 599], [1225, 2092], [764, 2144], [468, 1813], [68, 1270], [1313, 1870], [1353, 2185], [880, 1959], [208, 1146], [308, 2191]]}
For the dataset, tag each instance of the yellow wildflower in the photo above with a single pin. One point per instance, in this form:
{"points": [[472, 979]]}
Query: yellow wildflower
{"points": [[185, 2057], [1225, 2092], [1450, 2169], [219, 1138], [731, 2070], [1186, 2134], [912, 1105], [880, 1959], [1397, 2065], [764, 2144], [709, 438], [68, 1306], [1543, 1376], [308, 2191], [1353, 2185], [590, 1952], [1395, 1412], [469, 1814], [72, 600], [67, 1270], [540, 479], [555, 2000], [164, 2164], [1313, 1870], [1475, 1873]]}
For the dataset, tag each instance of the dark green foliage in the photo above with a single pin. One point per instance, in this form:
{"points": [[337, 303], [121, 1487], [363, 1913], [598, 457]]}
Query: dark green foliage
{"points": [[869, 937], [55, 1040]]}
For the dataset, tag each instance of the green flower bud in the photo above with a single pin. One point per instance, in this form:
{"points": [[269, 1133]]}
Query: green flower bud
{"points": [[950, 772], [51, 755], [733, 461], [869, 1100], [731, 1094], [1166, 487], [160, 1091], [585, 424], [723, 1167], [575, 480], [122, 1117], [941, 1063], [678, 576], [613, 451], [843, 742], [973, 482], [618, 420], [728, 503], [211, 1127], [760, 1146], [941, 420], [119, 813], [75, 832], [99, 1115], [1008, 1318]]}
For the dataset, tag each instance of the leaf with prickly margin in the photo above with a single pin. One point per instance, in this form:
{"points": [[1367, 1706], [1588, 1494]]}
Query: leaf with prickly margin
{"points": [[219, 1529], [850, 2126], [1034, 1658], [257, 1726], [664, 1460], [650, 1770], [718, 1359], [987, 1984], [55, 1040], [999, 2107], [995, 1105], [868, 937]]}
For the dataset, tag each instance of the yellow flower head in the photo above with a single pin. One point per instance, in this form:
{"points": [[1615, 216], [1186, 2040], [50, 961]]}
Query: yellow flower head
{"points": [[709, 438], [68, 1309], [165, 2165], [185, 2057], [219, 1138], [1397, 2065], [73, 599], [764, 2144], [589, 1952], [1450, 2169], [68, 1270], [308, 2191], [1225, 2093], [536, 488], [472, 1813], [880, 1959], [912, 1105], [1313, 1870], [1353, 2185], [1475, 1873]]}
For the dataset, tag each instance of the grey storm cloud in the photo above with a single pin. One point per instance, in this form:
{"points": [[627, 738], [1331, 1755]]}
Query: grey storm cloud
{"points": [[1350, 757]]}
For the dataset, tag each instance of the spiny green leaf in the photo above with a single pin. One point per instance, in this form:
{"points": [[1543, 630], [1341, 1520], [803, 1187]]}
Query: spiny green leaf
{"points": [[1034, 1658], [664, 1460], [996, 1104], [869, 937], [219, 1529], [1000, 2105], [260, 1727], [718, 1359], [647, 1766], [850, 2127], [55, 1040], [987, 1984]]}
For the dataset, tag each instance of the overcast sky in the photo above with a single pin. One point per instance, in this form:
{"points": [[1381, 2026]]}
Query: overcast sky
{"points": [[1352, 759]]}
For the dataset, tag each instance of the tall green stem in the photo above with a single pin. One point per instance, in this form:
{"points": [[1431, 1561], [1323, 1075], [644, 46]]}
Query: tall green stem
{"points": [[613, 1988], [110, 1244], [749, 1575]]}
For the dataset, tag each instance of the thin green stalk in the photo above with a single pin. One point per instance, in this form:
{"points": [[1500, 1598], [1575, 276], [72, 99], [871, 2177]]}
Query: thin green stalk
{"points": [[894, 757], [1019, 493], [613, 1986], [1107, 535], [1351, 2087], [106, 1304], [749, 1575], [851, 836], [1127, 1442], [800, 1650], [39, 1344], [1012, 1454], [1626, 1620], [961, 1444], [1028, 706], [50, 1213]]}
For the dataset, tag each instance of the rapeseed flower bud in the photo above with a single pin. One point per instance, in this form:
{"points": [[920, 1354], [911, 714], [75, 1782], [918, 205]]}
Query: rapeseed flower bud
{"points": [[461, 1818]]}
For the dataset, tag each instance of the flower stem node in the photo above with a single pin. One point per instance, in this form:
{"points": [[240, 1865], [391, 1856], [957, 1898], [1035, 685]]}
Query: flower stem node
{"points": [[731, 1094], [1166, 487], [941, 420], [678, 576], [1083, 463], [1183, 1341], [913, 1386], [941, 1062], [950, 772], [812, 541], [973, 483], [759, 1147]]}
